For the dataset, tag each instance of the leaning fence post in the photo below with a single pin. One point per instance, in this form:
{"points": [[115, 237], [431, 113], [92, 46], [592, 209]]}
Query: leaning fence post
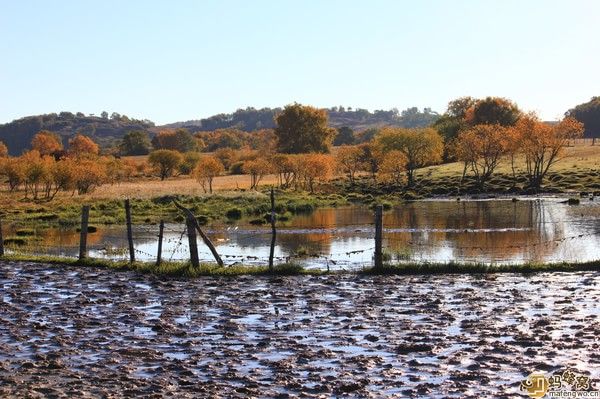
{"points": [[1, 239], [206, 240], [129, 231], [85, 214], [161, 228], [191, 232], [273, 231], [378, 236]]}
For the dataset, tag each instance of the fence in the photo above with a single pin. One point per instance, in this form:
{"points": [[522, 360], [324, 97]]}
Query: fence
{"points": [[192, 229], [373, 255]]}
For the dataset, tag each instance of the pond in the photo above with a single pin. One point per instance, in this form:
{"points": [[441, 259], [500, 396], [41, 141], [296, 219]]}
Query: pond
{"points": [[483, 231], [89, 332]]}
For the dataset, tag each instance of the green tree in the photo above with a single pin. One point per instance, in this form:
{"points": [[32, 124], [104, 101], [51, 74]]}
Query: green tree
{"points": [[135, 142], [303, 129], [178, 140], [588, 114], [344, 136], [165, 162], [493, 111], [422, 147]]}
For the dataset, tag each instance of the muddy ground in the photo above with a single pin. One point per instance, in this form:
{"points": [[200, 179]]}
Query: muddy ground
{"points": [[75, 332]]}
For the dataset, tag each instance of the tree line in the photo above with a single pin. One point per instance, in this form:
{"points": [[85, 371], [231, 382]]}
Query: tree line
{"points": [[477, 132]]}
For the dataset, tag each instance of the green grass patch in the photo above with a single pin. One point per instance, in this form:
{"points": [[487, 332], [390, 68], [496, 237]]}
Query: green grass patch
{"points": [[474, 268]]}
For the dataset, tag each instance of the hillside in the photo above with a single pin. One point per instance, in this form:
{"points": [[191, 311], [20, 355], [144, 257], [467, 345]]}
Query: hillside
{"points": [[250, 119], [104, 130]]}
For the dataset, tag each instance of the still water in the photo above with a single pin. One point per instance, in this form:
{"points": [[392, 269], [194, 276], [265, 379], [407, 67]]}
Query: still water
{"points": [[487, 231]]}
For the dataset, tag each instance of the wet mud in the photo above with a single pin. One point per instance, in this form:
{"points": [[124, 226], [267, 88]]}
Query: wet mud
{"points": [[86, 332]]}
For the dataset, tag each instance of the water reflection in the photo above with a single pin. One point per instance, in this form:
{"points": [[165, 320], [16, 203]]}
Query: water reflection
{"points": [[493, 231]]}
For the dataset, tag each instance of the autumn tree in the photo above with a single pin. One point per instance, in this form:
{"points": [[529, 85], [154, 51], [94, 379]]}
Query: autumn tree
{"points": [[177, 140], [257, 169], [393, 167], [88, 175], [226, 156], [422, 147], [3, 150], [46, 143], [350, 161], [206, 170], [370, 158], [34, 172], [81, 145], [63, 175], [315, 168], [303, 129], [165, 162], [135, 142], [286, 167], [188, 162], [481, 148], [14, 171], [543, 145]]}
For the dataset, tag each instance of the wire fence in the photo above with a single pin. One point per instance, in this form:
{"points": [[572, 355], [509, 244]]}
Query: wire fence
{"points": [[315, 248]]}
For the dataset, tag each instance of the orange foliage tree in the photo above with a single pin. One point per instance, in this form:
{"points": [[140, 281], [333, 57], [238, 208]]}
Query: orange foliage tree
{"points": [[481, 147], [350, 161], [165, 162], [257, 169], [88, 174], [3, 150], [286, 167], [421, 147], [46, 143], [393, 167], [543, 145], [81, 145], [315, 167], [206, 170]]}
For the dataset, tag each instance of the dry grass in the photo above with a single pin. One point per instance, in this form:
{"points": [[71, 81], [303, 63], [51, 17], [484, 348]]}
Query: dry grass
{"points": [[578, 157], [184, 185]]}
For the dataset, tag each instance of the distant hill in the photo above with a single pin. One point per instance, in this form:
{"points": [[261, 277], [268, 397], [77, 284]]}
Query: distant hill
{"points": [[103, 129], [250, 119], [108, 130]]}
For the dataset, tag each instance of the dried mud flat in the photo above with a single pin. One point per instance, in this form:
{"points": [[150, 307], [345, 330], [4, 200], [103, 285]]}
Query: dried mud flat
{"points": [[86, 332]]}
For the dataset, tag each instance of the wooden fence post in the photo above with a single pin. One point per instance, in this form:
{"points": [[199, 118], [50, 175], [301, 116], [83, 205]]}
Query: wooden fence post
{"points": [[191, 232], [161, 229], [378, 236], [129, 231], [1, 239], [273, 231], [85, 214], [206, 240]]}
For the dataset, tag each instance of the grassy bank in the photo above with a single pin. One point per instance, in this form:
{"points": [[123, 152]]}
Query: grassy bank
{"points": [[186, 270], [226, 207], [166, 269], [578, 173]]}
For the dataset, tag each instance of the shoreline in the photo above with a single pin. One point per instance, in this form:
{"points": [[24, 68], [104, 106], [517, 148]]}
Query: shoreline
{"points": [[185, 270]]}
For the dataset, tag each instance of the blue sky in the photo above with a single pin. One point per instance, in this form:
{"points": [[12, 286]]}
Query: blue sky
{"points": [[178, 60]]}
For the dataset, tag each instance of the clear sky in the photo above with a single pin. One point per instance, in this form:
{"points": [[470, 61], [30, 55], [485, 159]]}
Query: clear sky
{"points": [[170, 61]]}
